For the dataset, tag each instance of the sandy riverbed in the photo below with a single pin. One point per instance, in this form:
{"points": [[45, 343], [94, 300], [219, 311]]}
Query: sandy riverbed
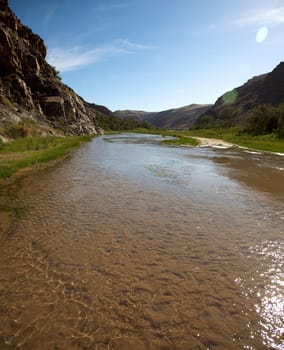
{"points": [[205, 142]]}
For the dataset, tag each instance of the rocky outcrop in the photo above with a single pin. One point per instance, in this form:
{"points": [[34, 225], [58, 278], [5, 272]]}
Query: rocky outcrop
{"points": [[31, 88], [263, 89]]}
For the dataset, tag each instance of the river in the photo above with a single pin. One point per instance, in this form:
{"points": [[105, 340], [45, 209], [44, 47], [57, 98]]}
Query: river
{"points": [[129, 244]]}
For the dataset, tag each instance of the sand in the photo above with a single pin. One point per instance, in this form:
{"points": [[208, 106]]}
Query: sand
{"points": [[205, 142]]}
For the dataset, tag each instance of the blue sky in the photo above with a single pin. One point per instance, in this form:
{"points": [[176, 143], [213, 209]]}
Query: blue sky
{"points": [[157, 54]]}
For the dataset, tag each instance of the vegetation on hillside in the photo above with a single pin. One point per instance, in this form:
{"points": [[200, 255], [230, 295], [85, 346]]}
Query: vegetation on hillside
{"points": [[225, 118], [261, 120], [111, 122], [266, 119]]}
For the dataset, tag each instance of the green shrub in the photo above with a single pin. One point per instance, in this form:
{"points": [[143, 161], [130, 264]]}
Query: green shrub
{"points": [[265, 119], [18, 131], [6, 102], [111, 122]]}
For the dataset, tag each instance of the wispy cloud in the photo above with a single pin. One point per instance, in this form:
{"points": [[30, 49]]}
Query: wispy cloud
{"points": [[260, 17], [272, 16], [49, 14], [50, 10], [113, 7], [131, 46], [76, 57]]}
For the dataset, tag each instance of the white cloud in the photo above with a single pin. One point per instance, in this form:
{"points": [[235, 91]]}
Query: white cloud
{"points": [[76, 57], [274, 16]]}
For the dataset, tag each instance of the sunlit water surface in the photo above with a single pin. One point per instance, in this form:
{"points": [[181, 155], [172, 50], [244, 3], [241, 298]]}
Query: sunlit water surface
{"points": [[132, 245]]}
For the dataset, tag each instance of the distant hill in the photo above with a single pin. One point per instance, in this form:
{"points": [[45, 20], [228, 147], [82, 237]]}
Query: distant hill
{"points": [[129, 113], [234, 106], [176, 118]]}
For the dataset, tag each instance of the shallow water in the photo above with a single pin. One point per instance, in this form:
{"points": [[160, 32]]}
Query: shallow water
{"points": [[132, 245]]}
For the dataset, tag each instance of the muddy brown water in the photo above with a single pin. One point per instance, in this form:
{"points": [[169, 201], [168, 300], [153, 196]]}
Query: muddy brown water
{"points": [[132, 245]]}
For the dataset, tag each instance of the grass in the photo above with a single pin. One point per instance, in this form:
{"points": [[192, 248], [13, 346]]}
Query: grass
{"points": [[113, 132], [27, 152], [181, 140]]}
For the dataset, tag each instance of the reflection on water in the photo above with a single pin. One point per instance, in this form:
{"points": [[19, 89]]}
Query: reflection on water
{"points": [[266, 287], [133, 245], [271, 298]]}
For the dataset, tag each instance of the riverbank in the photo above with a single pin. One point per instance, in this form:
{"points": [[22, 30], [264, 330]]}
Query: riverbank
{"points": [[218, 143], [25, 156], [268, 143], [221, 138], [32, 151]]}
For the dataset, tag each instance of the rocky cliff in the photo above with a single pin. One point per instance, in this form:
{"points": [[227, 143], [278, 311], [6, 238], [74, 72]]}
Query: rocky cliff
{"points": [[31, 90], [233, 106]]}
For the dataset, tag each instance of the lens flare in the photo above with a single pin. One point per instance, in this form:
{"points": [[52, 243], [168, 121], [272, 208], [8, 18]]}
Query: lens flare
{"points": [[230, 97], [261, 34]]}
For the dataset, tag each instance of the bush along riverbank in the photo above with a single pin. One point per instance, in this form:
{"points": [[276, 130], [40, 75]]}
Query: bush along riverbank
{"points": [[30, 151]]}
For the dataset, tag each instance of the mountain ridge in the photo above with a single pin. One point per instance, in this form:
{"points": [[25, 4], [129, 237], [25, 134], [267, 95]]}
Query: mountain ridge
{"points": [[232, 108], [175, 118], [235, 106]]}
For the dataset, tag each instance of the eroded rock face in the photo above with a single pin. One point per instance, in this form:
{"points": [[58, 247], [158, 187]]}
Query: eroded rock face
{"points": [[30, 84], [53, 106]]}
